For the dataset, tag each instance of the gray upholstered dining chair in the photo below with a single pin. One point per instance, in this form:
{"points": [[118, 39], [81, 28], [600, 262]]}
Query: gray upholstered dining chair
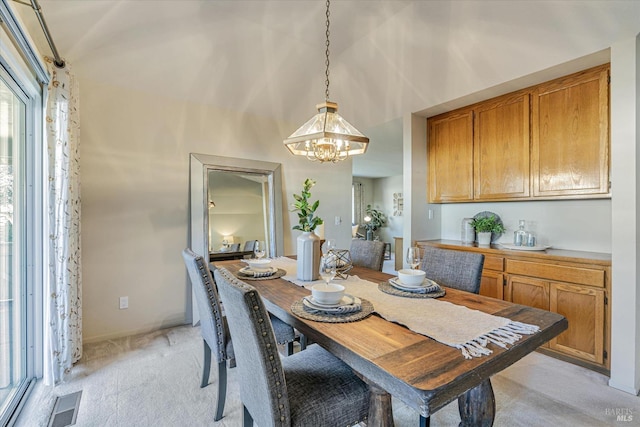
{"points": [[310, 388], [235, 247], [214, 328], [249, 245], [367, 253], [454, 269], [285, 334]]}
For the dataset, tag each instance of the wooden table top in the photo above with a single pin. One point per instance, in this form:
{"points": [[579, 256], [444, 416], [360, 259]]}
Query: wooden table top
{"points": [[227, 255], [423, 373]]}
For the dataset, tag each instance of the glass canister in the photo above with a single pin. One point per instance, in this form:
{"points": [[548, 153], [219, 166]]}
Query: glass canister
{"points": [[468, 234], [531, 240], [520, 235]]}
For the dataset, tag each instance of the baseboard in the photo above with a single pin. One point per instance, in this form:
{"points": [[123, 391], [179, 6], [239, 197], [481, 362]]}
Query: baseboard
{"points": [[624, 388], [594, 367], [124, 334]]}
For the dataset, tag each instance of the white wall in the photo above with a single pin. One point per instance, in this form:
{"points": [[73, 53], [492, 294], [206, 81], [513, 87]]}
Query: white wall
{"points": [[134, 163], [625, 158], [422, 219], [564, 224], [383, 199]]}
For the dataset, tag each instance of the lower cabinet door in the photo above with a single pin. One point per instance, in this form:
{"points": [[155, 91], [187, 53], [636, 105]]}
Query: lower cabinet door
{"points": [[583, 307], [492, 284], [528, 291]]}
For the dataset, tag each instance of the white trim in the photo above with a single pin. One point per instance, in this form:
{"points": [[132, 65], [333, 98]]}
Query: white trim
{"points": [[625, 223], [22, 41]]}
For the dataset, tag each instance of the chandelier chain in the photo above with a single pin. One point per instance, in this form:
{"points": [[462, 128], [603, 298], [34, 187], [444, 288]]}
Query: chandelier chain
{"points": [[327, 137], [327, 55]]}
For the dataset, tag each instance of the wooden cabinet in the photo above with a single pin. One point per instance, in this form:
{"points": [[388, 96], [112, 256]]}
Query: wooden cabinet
{"points": [[570, 138], [492, 281], [501, 148], [549, 141], [572, 283], [450, 154], [584, 308], [528, 291], [575, 290]]}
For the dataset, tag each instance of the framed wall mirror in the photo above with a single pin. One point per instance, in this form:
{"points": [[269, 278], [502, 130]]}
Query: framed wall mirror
{"points": [[233, 201]]}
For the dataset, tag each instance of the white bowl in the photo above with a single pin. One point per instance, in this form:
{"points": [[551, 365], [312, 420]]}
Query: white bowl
{"points": [[411, 277], [262, 264], [327, 294]]}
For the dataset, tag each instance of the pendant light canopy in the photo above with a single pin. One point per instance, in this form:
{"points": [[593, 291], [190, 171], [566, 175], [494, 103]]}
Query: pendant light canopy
{"points": [[327, 137]]}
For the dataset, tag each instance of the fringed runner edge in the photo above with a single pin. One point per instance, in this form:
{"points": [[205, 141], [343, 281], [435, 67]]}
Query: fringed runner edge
{"points": [[503, 336]]}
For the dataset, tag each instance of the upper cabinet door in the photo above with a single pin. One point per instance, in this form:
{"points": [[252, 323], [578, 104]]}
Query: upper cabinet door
{"points": [[501, 145], [450, 154], [570, 138]]}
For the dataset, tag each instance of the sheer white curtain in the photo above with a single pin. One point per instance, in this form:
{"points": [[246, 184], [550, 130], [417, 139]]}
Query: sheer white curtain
{"points": [[64, 306], [358, 203]]}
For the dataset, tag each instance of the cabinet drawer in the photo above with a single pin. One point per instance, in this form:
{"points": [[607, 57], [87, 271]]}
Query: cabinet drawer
{"points": [[583, 276], [493, 263]]}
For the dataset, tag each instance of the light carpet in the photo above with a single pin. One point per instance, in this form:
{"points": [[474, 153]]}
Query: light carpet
{"points": [[153, 380]]}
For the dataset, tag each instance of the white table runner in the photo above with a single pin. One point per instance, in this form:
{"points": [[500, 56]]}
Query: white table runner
{"points": [[451, 324]]}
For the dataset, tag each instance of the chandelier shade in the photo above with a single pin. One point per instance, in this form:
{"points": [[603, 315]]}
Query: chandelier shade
{"points": [[327, 137]]}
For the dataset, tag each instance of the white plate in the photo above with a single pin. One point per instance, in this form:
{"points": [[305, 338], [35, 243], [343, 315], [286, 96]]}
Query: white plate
{"points": [[247, 270], [346, 300], [258, 264], [524, 248], [427, 283]]}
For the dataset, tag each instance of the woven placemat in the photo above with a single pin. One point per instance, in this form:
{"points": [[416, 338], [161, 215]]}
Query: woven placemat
{"points": [[387, 288], [279, 273], [299, 310]]}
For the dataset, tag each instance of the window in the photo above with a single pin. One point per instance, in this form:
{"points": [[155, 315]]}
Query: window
{"points": [[12, 242], [21, 226]]}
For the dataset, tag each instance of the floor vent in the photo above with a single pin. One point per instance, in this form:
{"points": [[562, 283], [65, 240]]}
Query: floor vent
{"points": [[65, 410]]}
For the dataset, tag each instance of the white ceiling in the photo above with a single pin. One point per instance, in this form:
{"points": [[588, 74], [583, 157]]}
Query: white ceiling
{"points": [[266, 57]]}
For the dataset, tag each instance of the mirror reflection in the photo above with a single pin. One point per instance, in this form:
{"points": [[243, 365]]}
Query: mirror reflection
{"points": [[238, 214]]}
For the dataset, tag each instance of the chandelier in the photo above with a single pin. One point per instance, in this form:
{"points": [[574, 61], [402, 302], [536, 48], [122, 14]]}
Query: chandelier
{"points": [[327, 137]]}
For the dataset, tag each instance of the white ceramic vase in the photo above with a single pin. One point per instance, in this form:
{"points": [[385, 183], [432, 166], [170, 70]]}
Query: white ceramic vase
{"points": [[484, 238], [308, 252]]}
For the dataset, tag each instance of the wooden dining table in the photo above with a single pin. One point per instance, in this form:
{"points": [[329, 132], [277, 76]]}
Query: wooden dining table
{"points": [[227, 255], [395, 361]]}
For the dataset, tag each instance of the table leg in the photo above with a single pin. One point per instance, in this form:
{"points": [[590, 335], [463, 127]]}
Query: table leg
{"points": [[380, 410], [477, 406]]}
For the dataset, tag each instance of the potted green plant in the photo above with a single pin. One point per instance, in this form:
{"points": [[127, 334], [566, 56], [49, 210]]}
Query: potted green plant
{"points": [[373, 220], [307, 221], [484, 226], [308, 243]]}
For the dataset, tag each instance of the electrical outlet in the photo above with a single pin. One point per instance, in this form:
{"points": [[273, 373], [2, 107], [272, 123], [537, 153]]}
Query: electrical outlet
{"points": [[338, 220], [124, 303]]}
